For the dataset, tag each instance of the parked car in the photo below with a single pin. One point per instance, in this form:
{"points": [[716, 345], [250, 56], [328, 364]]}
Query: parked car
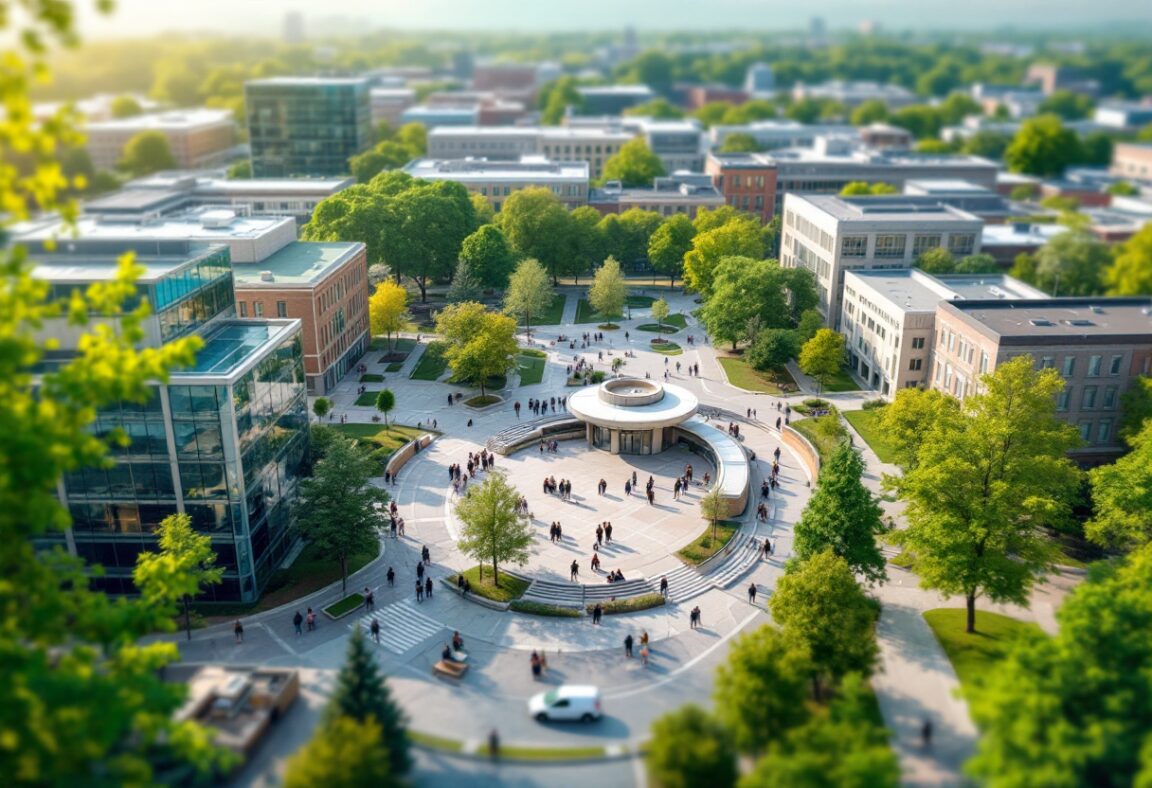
{"points": [[566, 702]]}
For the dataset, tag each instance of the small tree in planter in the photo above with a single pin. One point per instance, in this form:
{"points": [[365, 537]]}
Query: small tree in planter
{"points": [[714, 508], [385, 402], [321, 407], [660, 311]]}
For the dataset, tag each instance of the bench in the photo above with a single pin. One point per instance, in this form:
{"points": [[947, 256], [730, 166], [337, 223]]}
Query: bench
{"points": [[455, 670]]}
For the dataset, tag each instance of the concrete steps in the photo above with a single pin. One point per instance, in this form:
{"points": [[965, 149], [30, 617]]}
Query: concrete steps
{"points": [[549, 593], [624, 590], [684, 583], [743, 556]]}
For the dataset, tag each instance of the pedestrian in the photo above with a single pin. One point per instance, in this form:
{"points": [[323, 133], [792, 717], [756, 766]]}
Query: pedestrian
{"points": [[428, 588], [777, 422], [664, 586], [419, 591], [575, 571], [311, 619], [391, 577], [643, 654], [926, 733], [628, 645], [298, 622], [599, 535], [238, 630], [752, 593], [494, 745], [627, 488], [597, 613], [608, 531], [375, 629], [537, 668], [420, 571], [369, 598]]}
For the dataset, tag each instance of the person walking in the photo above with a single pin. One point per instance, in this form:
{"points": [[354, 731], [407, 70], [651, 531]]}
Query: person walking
{"points": [[926, 733], [628, 645], [310, 620], [574, 571], [298, 622], [369, 599], [494, 745], [599, 535], [375, 629], [238, 631], [597, 613], [391, 577], [608, 531], [428, 588], [419, 591], [752, 593], [420, 572], [664, 587]]}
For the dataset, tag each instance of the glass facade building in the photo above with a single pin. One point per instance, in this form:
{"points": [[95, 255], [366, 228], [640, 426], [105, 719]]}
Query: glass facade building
{"points": [[224, 441], [301, 126]]}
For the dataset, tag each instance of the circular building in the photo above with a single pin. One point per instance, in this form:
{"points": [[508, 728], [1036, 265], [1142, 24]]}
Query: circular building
{"points": [[631, 415]]}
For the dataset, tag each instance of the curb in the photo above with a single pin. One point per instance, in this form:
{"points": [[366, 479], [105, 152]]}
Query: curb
{"points": [[473, 750]]}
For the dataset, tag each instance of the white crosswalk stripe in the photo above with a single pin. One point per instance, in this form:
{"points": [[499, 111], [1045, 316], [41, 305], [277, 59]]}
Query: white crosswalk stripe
{"points": [[402, 626]]}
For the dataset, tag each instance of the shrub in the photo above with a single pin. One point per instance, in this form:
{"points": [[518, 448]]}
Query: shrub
{"points": [[542, 609], [873, 404], [629, 605], [371, 377], [815, 402]]}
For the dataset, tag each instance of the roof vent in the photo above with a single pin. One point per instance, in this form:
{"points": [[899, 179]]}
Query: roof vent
{"points": [[266, 276], [1041, 321], [1079, 322], [1097, 310]]}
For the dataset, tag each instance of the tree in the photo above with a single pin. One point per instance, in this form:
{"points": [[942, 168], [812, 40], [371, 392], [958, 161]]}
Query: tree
{"points": [[529, 292], [959, 106], [385, 402], [465, 285], [1085, 691], [344, 753], [870, 111], [714, 508], [652, 68], [358, 213], [608, 290], [819, 604], [555, 99], [743, 288], [385, 155], [125, 106], [1136, 404], [809, 323], [660, 312], [986, 483], [494, 528], [660, 109], [1122, 189], [921, 120], [1043, 146], [1122, 493], [637, 227], [822, 355], [321, 406], [979, 263], [361, 694], [481, 344], [241, 170], [990, 145], [772, 349], [83, 700], [688, 748], [668, 245], [424, 228], [842, 516], [146, 153], [937, 260], [488, 256], [866, 188], [1131, 271], [841, 747], [587, 245], [536, 225], [388, 309], [738, 237], [634, 164], [413, 136], [761, 688], [1072, 263], [335, 510], [911, 416], [739, 142], [180, 570], [1067, 105]]}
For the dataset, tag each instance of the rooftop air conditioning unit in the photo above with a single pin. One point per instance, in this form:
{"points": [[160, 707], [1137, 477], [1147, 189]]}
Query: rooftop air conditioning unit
{"points": [[266, 276]]}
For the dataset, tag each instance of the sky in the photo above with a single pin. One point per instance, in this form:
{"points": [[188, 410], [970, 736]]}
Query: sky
{"points": [[143, 17]]}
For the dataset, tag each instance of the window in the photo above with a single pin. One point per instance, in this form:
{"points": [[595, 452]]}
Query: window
{"points": [[1063, 398], [962, 244], [1069, 366], [258, 308], [735, 181], [890, 246], [922, 243], [915, 364], [1104, 431], [243, 309], [1047, 362], [1094, 366], [917, 343], [1089, 400], [281, 309], [1109, 397], [1086, 431], [1114, 367], [854, 246], [983, 363]]}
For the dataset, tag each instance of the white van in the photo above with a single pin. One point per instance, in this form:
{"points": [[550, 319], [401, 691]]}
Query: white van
{"points": [[566, 702]]}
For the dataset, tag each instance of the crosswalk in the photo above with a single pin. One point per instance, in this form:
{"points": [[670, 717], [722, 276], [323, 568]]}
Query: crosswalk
{"points": [[402, 626]]}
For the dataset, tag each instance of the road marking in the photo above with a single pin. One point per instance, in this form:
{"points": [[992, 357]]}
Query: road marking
{"points": [[402, 626], [279, 640]]}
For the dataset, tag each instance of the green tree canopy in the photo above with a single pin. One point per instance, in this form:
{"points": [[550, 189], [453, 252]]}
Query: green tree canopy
{"points": [[465, 285], [608, 290], [911, 416], [866, 188], [633, 165], [739, 142], [489, 257], [180, 570], [772, 348], [937, 260], [843, 516], [321, 406], [536, 225], [335, 509], [986, 483], [1043, 146], [989, 144], [1122, 493], [494, 528], [386, 155], [659, 108], [1067, 105], [743, 288], [385, 402], [555, 99], [652, 68], [358, 213], [1131, 271], [688, 748], [361, 694], [125, 106], [668, 245], [481, 344], [344, 753], [868, 112], [425, 227], [146, 153], [809, 323], [1072, 263], [819, 604], [822, 356], [979, 263], [529, 292], [737, 237]]}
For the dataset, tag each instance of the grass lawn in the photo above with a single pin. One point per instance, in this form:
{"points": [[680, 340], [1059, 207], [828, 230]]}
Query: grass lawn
{"points": [[825, 432], [546, 753], [368, 398], [672, 324], [432, 742], [586, 314], [391, 437], [977, 654], [704, 547], [553, 314], [394, 366], [531, 369], [656, 328], [371, 377], [402, 345], [841, 381], [432, 364], [481, 401], [510, 587], [629, 605], [667, 348], [533, 352], [345, 605], [544, 609], [639, 301], [867, 423], [741, 375]]}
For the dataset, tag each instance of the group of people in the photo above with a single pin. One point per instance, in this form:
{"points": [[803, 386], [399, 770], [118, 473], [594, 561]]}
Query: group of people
{"points": [[539, 663], [555, 532], [616, 576], [539, 407], [734, 429], [692, 339], [395, 521], [563, 488], [603, 532], [629, 643], [298, 622], [552, 447]]}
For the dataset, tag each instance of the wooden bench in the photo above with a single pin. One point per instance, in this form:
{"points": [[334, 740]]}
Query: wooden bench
{"points": [[454, 669]]}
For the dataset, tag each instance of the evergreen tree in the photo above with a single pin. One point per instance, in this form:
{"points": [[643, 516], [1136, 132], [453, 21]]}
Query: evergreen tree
{"points": [[465, 285], [843, 516], [343, 754], [361, 693]]}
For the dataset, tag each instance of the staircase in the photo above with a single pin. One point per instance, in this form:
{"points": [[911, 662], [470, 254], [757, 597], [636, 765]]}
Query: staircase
{"points": [[743, 553]]}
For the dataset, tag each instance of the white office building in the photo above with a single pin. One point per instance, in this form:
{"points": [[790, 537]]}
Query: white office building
{"points": [[497, 180]]}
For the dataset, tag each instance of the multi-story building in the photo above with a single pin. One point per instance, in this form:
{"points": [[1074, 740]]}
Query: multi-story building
{"points": [[388, 104], [322, 285], [1123, 115], [1051, 77], [1099, 345], [613, 99], [776, 134], [198, 137], [760, 81], [307, 125], [888, 319], [1017, 102], [436, 117], [685, 193], [497, 180], [224, 440], [594, 145], [172, 192], [853, 94], [747, 182], [1132, 160], [678, 143], [832, 235]]}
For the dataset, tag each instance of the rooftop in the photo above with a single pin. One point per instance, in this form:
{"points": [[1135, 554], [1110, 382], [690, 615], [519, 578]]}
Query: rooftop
{"points": [[528, 167], [615, 90], [891, 209], [231, 343], [916, 291], [298, 263], [201, 225], [308, 81], [1060, 320], [165, 121], [84, 268]]}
